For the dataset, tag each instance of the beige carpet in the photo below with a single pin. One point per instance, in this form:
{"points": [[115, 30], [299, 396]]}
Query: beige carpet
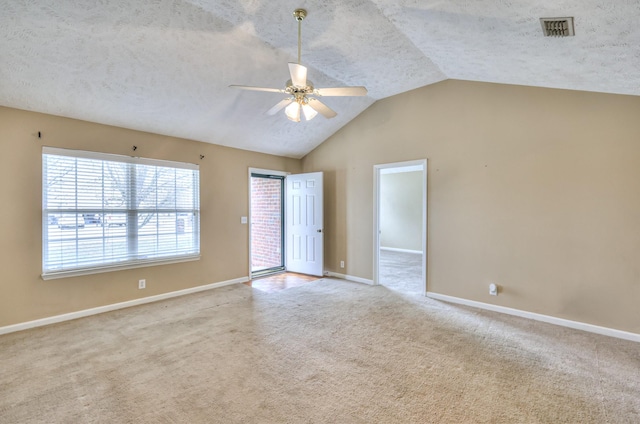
{"points": [[327, 352]]}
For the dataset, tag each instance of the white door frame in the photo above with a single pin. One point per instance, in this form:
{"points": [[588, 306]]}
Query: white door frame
{"points": [[265, 172], [377, 170]]}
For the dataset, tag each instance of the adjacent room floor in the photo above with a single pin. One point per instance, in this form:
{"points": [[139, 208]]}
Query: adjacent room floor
{"points": [[401, 271]]}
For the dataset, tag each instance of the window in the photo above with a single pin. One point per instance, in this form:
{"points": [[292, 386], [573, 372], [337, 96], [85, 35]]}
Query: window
{"points": [[103, 212]]}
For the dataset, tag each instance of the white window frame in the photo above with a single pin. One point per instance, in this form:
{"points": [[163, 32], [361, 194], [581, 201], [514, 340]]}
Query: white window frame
{"points": [[131, 217]]}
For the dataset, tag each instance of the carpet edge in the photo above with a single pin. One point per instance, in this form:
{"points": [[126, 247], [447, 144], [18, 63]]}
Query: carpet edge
{"points": [[577, 325], [115, 306]]}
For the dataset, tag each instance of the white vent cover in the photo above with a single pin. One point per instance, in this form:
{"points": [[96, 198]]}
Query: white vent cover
{"points": [[557, 27]]}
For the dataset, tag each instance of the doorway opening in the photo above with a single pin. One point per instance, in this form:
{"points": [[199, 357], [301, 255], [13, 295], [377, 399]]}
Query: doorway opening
{"points": [[267, 224], [400, 220], [285, 223]]}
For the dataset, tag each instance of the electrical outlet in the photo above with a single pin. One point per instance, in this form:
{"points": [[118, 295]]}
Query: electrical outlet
{"points": [[341, 264], [493, 289], [142, 284]]}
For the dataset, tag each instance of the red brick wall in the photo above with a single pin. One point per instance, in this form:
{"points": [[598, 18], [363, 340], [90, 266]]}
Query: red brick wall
{"points": [[266, 223]]}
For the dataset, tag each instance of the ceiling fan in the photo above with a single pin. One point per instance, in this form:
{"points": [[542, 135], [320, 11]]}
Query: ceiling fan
{"points": [[301, 94]]}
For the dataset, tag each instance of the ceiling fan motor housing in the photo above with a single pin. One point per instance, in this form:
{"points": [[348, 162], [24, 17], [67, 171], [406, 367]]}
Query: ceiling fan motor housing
{"points": [[293, 89]]}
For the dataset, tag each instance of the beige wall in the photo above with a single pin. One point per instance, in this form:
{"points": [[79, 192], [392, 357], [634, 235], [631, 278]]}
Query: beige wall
{"points": [[401, 210], [24, 296], [537, 190]]}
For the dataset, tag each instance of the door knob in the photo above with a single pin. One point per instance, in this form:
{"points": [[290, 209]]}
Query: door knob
{"points": [[319, 231]]}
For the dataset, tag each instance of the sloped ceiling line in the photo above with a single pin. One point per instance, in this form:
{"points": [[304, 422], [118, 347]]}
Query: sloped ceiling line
{"points": [[164, 66]]}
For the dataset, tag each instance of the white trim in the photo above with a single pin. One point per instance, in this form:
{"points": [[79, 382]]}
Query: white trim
{"points": [[131, 265], [377, 173], [397, 249], [539, 317], [348, 278], [107, 308]]}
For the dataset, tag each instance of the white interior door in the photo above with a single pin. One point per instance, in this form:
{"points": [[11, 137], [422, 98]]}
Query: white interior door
{"points": [[304, 233]]}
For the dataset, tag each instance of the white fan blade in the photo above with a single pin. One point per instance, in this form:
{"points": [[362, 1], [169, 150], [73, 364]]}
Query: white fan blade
{"points": [[279, 106], [341, 91], [323, 109], [247, 87], [298, 74]]}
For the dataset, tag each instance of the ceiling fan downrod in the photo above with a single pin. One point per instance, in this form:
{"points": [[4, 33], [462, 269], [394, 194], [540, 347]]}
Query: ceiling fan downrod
{"points": [[299, 14]]}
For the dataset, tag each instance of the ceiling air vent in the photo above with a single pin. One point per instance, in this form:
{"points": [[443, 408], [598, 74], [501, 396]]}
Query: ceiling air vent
{"points": [[557, 27]]}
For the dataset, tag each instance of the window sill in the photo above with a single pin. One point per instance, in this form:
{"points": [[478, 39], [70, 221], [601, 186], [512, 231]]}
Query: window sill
{"points": [[119, 267]]}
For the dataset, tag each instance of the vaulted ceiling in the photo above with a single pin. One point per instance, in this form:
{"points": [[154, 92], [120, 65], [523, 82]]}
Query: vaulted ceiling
{"points": [[164, 66]]}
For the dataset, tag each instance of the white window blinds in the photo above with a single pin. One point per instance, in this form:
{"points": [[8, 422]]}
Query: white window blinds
{"points": [[103, 212]]}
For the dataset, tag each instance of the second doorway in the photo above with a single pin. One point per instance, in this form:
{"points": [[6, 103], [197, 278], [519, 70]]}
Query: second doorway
{"points": [[267, 224]]}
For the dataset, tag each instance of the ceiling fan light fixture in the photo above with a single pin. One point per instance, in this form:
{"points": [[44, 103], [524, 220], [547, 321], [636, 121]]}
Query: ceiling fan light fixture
{"points": [[309, 112], [293, 112]]}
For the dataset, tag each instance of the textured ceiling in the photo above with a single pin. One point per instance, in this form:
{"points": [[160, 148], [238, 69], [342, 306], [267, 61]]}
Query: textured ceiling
{"points": [[164, 66]]}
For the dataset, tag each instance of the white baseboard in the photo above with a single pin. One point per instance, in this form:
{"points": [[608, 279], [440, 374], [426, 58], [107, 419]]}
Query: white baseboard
{"points": [[348, 278], [107, 308], [539, 317], [395, 249]]}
